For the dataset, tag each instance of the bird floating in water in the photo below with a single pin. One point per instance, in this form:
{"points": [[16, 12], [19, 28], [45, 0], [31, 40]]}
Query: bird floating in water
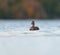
{"points": [[33, 27]]}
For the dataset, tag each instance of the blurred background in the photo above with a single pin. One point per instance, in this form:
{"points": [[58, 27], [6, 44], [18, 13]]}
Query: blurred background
{"points": [[29, 9]]}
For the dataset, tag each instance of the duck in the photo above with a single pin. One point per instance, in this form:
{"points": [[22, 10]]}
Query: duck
{"points": [[33, 27]]}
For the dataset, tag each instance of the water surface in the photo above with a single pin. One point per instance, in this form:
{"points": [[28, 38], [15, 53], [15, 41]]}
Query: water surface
{"points": [[16, 39]]}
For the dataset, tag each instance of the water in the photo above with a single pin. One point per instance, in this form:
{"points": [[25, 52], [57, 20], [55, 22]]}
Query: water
{"points": [[16, 39]]}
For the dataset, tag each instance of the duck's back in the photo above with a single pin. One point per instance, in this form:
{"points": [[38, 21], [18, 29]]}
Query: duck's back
{"points": [[34, 28]]}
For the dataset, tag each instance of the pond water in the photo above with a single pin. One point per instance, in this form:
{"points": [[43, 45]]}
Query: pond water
{"points": [[16, 39]]}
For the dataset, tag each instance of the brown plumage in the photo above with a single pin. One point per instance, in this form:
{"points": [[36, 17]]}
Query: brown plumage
{"points": [[33, 26]]}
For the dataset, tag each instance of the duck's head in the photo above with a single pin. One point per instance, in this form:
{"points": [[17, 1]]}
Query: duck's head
{"points": [[33, 23]]}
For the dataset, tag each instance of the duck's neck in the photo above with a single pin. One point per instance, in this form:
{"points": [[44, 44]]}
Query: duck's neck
{"points": [[33, 25]]}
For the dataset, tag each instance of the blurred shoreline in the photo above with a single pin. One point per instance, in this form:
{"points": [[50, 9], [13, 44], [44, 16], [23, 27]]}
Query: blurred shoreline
{"points": [[32, 19], [26, 9]]}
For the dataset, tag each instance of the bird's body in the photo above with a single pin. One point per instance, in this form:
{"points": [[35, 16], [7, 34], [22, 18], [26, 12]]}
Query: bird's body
{"points": [[33, 27]]}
